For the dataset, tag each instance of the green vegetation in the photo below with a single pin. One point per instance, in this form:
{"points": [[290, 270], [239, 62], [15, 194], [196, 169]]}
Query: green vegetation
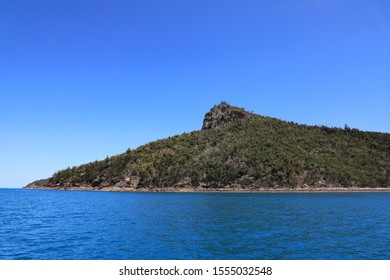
{"points": [[254, 151]]}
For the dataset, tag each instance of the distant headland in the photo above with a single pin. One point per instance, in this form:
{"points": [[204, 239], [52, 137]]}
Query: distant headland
{"points": [[238, 151]]}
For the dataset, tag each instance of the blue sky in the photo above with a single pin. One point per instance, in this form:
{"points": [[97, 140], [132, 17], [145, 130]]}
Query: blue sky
{"points": [[80, 80]]}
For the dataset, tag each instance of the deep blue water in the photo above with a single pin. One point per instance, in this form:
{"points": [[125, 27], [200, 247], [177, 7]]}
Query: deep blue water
{"points": [[95, 225]]}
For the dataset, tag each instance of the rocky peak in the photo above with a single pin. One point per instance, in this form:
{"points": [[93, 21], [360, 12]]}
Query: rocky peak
{"points": [[222, 114]]}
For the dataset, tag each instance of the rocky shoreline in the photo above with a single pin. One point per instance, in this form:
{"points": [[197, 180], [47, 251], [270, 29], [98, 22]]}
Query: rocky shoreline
{"points": [[204, 189]]}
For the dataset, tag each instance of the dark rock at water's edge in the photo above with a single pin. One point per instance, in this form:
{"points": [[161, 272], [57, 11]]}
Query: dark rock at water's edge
{"points": [[238, 151], [38, 184]]}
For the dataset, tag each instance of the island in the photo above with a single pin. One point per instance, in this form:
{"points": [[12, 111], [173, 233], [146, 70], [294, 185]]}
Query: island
{"points": [[239, 151]]}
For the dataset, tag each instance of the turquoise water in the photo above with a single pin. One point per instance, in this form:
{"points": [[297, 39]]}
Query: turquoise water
{"points": [[94, 225]]}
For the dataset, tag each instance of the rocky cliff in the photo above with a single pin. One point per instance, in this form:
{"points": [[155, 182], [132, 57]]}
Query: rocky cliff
{"points": [[223, 114]]}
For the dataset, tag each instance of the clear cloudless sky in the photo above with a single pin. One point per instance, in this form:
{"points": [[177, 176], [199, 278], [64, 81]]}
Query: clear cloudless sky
{"points": [[84, 79]]}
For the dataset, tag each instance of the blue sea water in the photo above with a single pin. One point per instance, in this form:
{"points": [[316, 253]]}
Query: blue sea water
{"points": [[95, 225]]}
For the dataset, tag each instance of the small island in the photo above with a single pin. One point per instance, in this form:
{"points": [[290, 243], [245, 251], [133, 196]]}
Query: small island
{"points": [[239, 151]]}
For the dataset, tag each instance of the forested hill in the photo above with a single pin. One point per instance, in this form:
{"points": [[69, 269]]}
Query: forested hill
{"points": [[240, 151]]}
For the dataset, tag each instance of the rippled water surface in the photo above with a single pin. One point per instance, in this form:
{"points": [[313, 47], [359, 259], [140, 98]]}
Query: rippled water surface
{"points": [[94, 225]]}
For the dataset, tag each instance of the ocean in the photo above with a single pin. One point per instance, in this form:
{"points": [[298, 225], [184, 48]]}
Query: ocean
{"points": [[73, 225]]}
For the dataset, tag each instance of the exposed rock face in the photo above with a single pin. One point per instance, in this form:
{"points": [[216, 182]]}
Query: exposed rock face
{"points": [[222, 114]]}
